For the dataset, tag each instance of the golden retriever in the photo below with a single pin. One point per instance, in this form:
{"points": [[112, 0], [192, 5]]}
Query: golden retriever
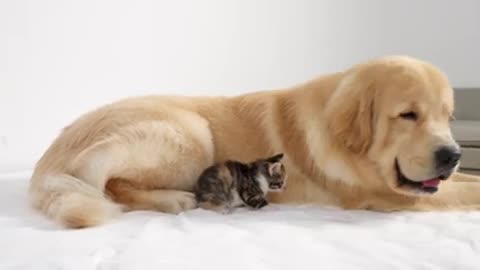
{"points": [[375, 136]]}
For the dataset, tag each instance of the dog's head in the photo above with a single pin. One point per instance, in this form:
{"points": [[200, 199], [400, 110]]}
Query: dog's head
{"points": [[395, 112]]}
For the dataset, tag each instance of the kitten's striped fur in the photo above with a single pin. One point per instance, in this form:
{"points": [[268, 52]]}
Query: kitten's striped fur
{"points": [[231, 184]]}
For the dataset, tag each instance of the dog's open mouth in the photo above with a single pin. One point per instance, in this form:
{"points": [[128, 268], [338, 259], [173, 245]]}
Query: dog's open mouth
{"points": [[427, 186]]}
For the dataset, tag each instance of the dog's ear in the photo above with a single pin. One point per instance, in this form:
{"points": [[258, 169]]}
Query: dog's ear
{"points": [[350, 113]]}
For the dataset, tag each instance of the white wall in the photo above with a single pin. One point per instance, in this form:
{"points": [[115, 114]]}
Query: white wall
{"points": [[59, 58]]}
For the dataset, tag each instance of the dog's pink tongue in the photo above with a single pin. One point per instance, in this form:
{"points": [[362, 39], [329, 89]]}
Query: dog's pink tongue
{"points": [[431, 183]]}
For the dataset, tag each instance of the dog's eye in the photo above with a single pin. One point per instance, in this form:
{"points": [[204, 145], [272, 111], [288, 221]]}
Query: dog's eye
{"points": [[409, 116]]}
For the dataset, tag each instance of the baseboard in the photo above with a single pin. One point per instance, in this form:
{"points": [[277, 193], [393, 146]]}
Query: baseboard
{"points": [[470, 171]]}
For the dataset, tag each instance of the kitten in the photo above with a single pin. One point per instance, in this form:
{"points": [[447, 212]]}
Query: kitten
{"points": [[231, 184]]}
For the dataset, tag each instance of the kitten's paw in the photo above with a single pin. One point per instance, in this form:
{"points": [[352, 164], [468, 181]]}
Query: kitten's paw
{"points": [[183, 201], [257, 203]]}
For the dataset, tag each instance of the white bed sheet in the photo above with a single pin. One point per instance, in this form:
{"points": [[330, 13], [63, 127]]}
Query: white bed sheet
{"points": [[278, 237]]}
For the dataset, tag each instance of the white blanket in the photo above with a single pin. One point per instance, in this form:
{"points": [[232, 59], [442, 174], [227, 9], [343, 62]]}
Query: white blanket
{"points": [[277, 237]]}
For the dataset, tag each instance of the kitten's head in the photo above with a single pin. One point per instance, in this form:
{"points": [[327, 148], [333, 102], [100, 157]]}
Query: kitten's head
{"points": [[273, 171]]}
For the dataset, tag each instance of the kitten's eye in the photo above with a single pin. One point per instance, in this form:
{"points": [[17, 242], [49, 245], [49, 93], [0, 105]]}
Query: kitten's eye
{"points": [[409, 116]]}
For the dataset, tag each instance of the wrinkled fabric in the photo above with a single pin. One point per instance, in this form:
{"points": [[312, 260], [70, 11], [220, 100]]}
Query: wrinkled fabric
{"points": [[276, 237]]}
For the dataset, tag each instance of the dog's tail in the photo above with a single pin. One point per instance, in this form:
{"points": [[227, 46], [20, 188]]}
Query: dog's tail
{"points": [[72, 202]]}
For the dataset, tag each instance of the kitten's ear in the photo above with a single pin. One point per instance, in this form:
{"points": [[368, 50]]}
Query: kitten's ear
{"points": [[274, 168], [275, 158]]}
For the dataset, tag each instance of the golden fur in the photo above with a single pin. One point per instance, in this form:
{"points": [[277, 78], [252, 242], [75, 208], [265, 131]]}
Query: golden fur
{"points": [[341, 135]]}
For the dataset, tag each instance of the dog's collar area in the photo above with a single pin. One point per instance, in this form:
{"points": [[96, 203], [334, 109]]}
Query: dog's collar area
{"points": [[426, 186]]}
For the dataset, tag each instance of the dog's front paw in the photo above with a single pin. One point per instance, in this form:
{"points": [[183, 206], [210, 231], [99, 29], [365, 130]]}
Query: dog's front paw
{"points": [[183, 201]]}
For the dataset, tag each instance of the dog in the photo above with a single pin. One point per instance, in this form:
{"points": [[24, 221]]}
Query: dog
{"points": [[375, 136]]}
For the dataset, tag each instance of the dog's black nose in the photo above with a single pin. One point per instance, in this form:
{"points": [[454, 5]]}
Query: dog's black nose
{"points": [[447, 157]]}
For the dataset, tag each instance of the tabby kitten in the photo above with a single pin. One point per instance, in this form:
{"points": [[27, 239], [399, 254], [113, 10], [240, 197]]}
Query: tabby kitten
{"points": [[231, 184]]}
